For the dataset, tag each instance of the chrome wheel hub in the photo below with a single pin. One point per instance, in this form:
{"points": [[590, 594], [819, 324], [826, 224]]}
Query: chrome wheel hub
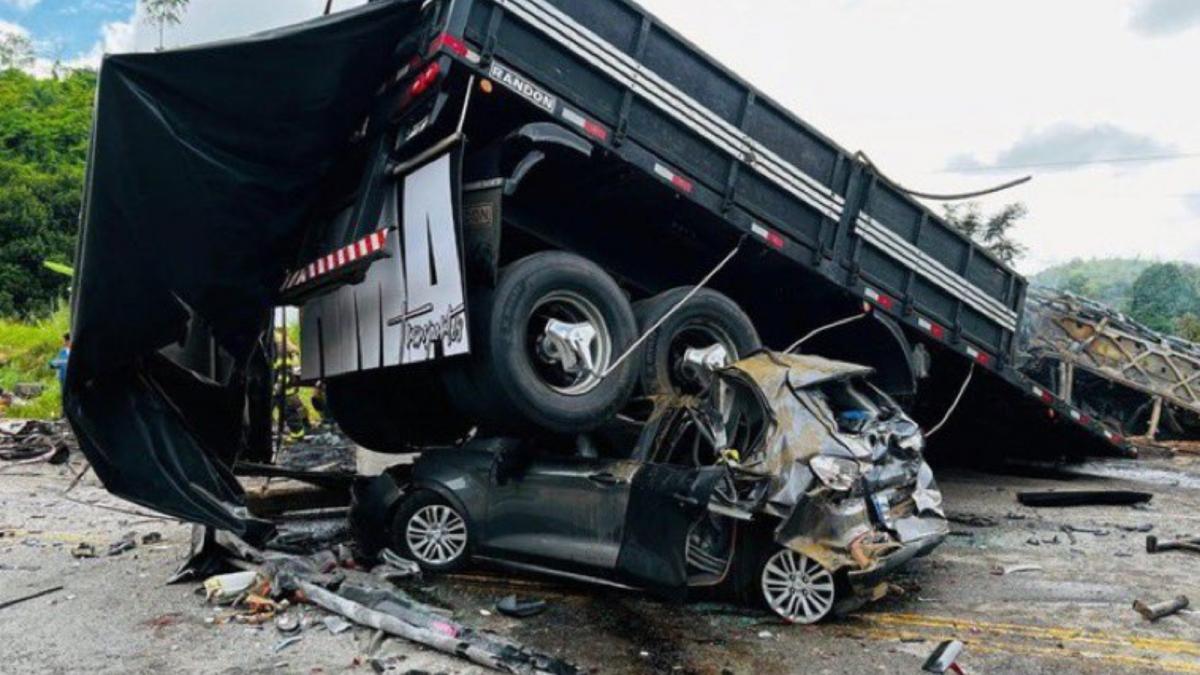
{"points": [[797, 587], [570, 343], [436, 535]]}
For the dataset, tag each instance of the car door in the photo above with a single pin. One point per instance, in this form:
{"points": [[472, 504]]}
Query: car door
{"points": [[564, 511]]}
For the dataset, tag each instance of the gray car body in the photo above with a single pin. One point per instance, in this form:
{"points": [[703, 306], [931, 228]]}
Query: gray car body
{"points": [[576, 512]]}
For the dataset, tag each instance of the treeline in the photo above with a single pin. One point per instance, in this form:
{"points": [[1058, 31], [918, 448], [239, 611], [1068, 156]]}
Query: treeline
{"points": [[1163, 296], [44, 131]]}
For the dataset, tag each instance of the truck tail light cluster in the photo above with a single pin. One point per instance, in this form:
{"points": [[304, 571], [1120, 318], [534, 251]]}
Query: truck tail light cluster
{"points": [[425, 80]]}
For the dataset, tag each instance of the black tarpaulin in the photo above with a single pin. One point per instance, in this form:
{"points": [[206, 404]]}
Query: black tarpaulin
{"points": [[205, 166]]}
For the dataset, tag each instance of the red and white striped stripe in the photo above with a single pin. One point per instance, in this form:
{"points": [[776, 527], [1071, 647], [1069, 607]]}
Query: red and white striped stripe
{"points": [[680, 183], [773, 238], [589, 127], [882, 299], [369, 244], [1080, 417], [932, 328], [1044, 395], [982, 358]]}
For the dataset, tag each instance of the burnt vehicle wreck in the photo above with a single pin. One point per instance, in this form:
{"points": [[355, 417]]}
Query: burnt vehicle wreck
{"points": [[789, 482]]}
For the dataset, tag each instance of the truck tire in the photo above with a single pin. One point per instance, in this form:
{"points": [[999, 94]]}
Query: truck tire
{"points": [[708, 319], [394, 410], [518, 378]]}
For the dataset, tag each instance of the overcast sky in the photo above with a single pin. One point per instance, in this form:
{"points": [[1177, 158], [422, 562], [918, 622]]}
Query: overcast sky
{"points": [[1095, 98]]}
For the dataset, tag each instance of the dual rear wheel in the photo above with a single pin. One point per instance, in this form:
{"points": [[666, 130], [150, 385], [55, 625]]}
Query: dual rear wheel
{"points": [[547, 343]]}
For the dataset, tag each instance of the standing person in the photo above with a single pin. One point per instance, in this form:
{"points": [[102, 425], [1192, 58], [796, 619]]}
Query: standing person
{"points": [[59, 363]]}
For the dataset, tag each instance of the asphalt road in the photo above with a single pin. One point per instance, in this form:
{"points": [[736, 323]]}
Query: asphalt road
{"points": [[1073, 615]]}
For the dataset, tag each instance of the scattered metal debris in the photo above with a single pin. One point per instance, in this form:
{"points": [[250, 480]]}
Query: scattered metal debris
{"points": [[1156, 611], [1005, 570], [1083, 498], [31, 441], [125, 543], [520, 608], [1153, 545], [83, 550], [16, 601], [944, 658]]}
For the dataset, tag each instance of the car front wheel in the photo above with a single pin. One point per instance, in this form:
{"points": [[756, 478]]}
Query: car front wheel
{"points": [[797, 587], [431, 532]]}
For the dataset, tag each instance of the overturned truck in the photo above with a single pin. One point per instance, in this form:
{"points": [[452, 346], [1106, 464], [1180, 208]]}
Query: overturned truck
{"points": [[499, 218]]}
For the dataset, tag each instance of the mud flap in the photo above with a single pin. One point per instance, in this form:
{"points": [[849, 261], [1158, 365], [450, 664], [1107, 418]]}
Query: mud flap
{"points": [[411, 306]]}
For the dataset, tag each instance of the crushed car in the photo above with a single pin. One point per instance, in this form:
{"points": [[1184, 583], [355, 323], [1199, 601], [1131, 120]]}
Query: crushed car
{"points": [[790, 482]]}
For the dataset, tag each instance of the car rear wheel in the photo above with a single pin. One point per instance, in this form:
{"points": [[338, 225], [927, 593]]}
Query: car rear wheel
{"points": [[796, 587], [431, 532], [544, 340], [708, 331]]}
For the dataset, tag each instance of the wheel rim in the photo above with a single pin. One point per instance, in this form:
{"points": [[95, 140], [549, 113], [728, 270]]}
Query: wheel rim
{"points": [[576, 373], [436, 535], [695, 335], [797, 587]]}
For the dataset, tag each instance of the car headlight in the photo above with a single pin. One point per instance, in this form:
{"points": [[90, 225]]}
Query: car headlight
{"points": [[836, 473]]}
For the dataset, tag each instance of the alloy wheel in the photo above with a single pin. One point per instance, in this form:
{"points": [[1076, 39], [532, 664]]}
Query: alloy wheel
{"points": [[436, 535], [797, 587]]}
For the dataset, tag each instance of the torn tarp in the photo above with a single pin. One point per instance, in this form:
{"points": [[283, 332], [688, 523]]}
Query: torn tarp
{"points": [[205, 167]]}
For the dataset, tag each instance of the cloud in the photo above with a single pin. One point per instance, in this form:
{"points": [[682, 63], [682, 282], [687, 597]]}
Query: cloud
{"points": [[21, 5], [1063, 147], [1156, 18], [1192, 202], [6, 27]]}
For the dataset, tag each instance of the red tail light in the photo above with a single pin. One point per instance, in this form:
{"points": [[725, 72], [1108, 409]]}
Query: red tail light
{"points": [[425, 80]]}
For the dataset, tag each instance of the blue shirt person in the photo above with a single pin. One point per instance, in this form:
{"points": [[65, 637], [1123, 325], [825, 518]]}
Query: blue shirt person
{"points": [[59, 362]]}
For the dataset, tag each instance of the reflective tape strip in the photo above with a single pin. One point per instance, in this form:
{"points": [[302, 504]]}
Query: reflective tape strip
{"points": [[882, 299], [930, 327], [1046, 396], [773, 239], [339, 258], [656, 90], [981, 358], [914, 258], [673, 178]]}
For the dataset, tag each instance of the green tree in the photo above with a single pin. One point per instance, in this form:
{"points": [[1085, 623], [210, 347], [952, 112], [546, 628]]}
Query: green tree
{"points": [[16, 51], [163, 13], [992, 232], [1188, 327], [44, 126], [1161, 295]]}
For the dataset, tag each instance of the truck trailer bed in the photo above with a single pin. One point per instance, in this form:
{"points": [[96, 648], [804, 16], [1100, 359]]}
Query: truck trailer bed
{"points": [[615, 73]]}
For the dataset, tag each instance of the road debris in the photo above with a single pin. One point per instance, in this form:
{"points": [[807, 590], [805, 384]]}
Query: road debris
{"points": [[448, 637], [32, 441], [1153, 545], [16, 601], [336, 625], [944, 658], [1083, 498], [520, 608], [1005, 570], [83, 550], [225, 589], [1156, 611], [125, 543]]}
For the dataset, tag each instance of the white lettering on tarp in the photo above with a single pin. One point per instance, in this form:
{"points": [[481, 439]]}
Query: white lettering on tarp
{"points": [[525, 88], [432, 271]]}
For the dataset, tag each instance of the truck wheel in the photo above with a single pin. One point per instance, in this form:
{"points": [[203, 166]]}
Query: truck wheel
{"points": [[431, 532], [708, 329], [394, 410], [543, 339]]}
